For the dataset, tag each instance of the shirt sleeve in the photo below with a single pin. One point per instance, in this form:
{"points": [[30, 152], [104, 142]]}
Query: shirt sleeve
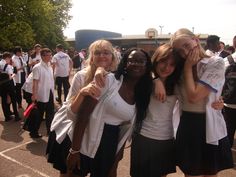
{"points": [[76, 84], [213, 74], [36, 73]]}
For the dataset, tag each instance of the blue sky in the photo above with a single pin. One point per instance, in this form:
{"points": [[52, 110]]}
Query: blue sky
{"points": [[136, 16]]}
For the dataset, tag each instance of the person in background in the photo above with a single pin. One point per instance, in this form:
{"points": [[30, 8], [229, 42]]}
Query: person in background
{"points": [[230, 49], [118, 53], [8, 92], [62, 65], [213, 45], [27, 89], [21, 75], [35, 57], [78, 60], [234, 42], [101, 54], [202, 145], [42, 92], [229, 96], [223, 52]]}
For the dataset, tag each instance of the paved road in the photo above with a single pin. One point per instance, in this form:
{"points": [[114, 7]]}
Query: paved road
{"points": [[21, 156]]}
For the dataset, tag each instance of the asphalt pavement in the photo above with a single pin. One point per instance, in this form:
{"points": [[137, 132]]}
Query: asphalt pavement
{"points": [[21, 156]]}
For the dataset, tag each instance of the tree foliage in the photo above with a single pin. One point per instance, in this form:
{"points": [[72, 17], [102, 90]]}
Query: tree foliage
{"points": [[26, 22]]}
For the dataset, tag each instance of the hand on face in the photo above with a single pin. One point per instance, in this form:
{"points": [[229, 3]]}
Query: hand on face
{"points": [[193, 56]]}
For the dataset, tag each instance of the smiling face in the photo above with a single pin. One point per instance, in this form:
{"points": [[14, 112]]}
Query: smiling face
{"points": [[102, 57], [136, 64], [102, 54], [165, 67]]}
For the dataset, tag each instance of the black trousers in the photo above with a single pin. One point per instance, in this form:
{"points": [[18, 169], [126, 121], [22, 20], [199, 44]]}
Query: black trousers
{"points": [[62, 81], [230, 119], [48, 110], [8, 89], [18, 89]]}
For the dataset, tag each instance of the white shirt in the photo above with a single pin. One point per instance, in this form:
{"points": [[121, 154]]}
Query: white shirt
{"points": [[117, 111], [62, 64], [9, 68], [158, 123], [44, 74], [64, 121], [17, 62], [211, 74], [28, 85]]}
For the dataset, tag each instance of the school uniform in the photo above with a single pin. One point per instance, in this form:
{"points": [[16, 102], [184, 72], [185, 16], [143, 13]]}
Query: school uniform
{"points": [[109, 127], [202, 145]]}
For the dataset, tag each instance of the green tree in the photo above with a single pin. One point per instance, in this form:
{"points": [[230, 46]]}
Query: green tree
{"points": [[26, 22]]}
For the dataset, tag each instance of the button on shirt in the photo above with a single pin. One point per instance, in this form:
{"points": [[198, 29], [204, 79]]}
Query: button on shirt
{"points": [[44, 73]]}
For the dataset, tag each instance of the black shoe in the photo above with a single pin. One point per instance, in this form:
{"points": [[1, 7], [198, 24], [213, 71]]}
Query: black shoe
{"points": [[8, 119], [17, 119], [58, 100], [37, 135]]}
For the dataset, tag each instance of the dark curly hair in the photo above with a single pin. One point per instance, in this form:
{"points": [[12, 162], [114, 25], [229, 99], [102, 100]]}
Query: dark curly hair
{"points": [[143, 88]]}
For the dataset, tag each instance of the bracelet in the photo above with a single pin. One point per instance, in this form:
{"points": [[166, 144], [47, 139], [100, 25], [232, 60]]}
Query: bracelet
{"points": [[156, 78], [72, 151]]}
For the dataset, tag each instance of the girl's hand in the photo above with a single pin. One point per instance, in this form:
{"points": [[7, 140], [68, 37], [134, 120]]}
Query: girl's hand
{"points": [[219, 104], [73, 161], [99, 77], [193, 56], [159, 90], [91, 89]]}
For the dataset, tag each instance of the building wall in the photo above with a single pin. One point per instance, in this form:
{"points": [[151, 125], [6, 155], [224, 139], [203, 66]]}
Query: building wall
{"points": [[83, 38]]}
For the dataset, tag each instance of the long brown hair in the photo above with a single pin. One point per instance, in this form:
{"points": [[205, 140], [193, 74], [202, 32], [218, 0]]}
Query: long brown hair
{"points": [[163, 52]]}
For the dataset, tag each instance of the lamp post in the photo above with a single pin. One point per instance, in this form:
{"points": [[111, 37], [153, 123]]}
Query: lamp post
{"points": [[161, 29]]}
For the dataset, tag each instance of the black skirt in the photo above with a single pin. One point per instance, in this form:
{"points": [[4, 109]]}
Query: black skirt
{"points": [[99, 166], [152, 158], [194, 155]]}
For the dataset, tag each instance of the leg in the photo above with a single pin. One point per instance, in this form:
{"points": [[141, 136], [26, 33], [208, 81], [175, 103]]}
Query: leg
{"points": [[66, 86], [18, 94], [5, 107], [59, 88], [49, 109], [229, 115], [12, 95]]}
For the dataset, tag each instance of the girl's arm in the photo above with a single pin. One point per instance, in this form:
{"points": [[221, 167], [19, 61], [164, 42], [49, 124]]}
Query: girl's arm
{"points": [[86, 107], [159, 90], [195, 91]]}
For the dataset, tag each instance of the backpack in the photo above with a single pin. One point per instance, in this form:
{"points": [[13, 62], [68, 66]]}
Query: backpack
{"points": [[4, 78], [229, 89]]}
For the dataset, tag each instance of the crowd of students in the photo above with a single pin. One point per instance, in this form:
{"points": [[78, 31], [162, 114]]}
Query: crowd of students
{"points": [[113, 100]]}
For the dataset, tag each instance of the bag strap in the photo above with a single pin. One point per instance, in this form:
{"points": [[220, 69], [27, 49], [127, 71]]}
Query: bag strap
{"points": [[5, 67]]}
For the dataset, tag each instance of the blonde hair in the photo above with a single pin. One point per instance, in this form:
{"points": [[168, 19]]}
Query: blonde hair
{"points": [[184, 32], [91, 68]]}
